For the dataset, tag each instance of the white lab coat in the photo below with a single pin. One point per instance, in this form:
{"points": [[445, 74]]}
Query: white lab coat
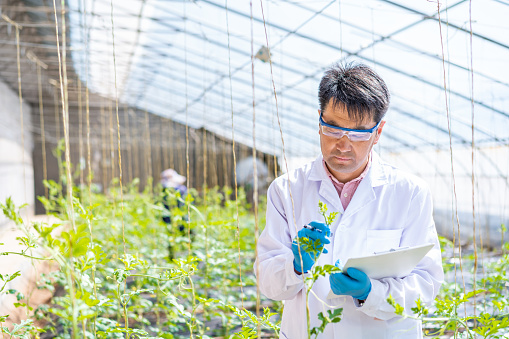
{"points": [[389, 209]]}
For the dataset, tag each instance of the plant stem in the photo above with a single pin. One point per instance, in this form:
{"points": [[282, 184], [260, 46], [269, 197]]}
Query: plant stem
{"points": [[193, 320]]}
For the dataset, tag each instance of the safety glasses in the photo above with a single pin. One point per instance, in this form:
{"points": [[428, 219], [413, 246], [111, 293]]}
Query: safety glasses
{"points": [[352, 134]]}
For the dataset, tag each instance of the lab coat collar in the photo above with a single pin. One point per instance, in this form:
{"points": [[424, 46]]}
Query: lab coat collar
{"points": [[376, 176], [327, 190]]}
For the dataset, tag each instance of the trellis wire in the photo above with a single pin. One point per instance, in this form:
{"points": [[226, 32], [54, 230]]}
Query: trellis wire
{"points": [[126, 317], [80, 132], [129, 144], [473, 154], [452, 159], [89, 177], [234, 155], [255, 172], [148, 152], [103, 147], [286, 164], [62, 72], [41, 121], [112, 148]]}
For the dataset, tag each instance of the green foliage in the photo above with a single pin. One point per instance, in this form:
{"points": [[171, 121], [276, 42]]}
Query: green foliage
{"points": [[318, 271], [491, 325], [420, 310], [329, 219], [398, 309], [176, 280], [157, 286], [333, 316]]}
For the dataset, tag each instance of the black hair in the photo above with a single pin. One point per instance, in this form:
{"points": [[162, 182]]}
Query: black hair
{"points": [[358, 88]]}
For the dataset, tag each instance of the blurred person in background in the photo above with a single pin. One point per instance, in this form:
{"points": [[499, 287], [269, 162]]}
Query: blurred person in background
{"points": [[380, 207], [173, 183], [171, 180]]}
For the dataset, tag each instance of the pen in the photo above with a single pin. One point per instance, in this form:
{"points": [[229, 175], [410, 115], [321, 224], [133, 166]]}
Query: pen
{"points": [[309, 227]]}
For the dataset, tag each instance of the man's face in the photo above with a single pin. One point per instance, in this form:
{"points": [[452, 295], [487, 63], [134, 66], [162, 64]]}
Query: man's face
{"points": [[345, 159]]}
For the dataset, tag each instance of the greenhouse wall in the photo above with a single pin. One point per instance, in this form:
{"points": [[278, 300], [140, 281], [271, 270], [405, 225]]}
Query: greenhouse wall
{"points": [[16, 171], [149, 144], [454, 198]]}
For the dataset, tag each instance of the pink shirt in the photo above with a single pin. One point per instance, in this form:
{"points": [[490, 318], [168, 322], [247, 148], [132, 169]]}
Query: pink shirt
{"points": [[347, 190]]}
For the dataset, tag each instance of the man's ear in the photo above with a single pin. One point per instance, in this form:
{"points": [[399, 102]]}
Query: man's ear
{"points": [[319, 112], [379, 131]]}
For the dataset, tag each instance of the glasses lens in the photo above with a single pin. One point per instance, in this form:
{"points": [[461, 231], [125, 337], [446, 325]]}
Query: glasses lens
{"points": [[359, 136], [332, 132], [337, 133]]}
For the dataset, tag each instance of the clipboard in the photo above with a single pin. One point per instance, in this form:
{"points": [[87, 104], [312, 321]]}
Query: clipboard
{"points": [[395, 263]]}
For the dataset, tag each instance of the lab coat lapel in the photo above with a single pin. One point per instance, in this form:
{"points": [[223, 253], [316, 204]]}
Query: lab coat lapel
{"points": [[327, 192], [365, 193]]}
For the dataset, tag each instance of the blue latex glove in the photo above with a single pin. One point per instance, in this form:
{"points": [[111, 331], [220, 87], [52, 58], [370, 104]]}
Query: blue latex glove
{"points": [[354, 283], [319, 232]]}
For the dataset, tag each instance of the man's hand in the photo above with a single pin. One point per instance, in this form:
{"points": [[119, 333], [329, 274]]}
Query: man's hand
{"points": [[354, 283], [317, 235]]}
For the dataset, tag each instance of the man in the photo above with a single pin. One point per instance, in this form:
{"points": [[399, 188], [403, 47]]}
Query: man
{"points": [[380, 207]]}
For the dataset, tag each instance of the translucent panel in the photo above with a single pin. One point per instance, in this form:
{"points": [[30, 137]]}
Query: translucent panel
{"points": [[489, 19], [176, 59]]}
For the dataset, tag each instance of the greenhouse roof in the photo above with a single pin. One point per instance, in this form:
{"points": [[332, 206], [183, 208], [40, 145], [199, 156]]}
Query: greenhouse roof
{"points": [[191, 61]]}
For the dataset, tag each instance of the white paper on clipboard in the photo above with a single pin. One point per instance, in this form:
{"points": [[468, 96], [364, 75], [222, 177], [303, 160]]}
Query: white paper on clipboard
{"points": [[396, 264]]}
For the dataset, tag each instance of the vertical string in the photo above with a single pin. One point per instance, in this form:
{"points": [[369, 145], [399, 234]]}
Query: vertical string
{"points": [[204, 131], [188, 183], [126, 317], [129, 144], [57, 125], [136, 145], [118, 134], [340, 31], [187, 134], [204, 146], [148, 151], [104, 169], [255, 172], [43, 132], [226, 181], [180, 149], [165, 143], [214, 168], [205, 161], [473, 151], [62, 72], [234, 157], [285, 161], [65, 111], [171, 143], [158, 148], [89, 165], [80, 133], [112, 147], [451, 153]]}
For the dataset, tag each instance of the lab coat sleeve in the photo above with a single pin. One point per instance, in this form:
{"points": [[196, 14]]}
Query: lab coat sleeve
{"points": [[426, 278], [274, 265]]}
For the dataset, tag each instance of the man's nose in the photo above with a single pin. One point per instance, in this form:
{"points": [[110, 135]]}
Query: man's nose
{"points": [[344, 144]]}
